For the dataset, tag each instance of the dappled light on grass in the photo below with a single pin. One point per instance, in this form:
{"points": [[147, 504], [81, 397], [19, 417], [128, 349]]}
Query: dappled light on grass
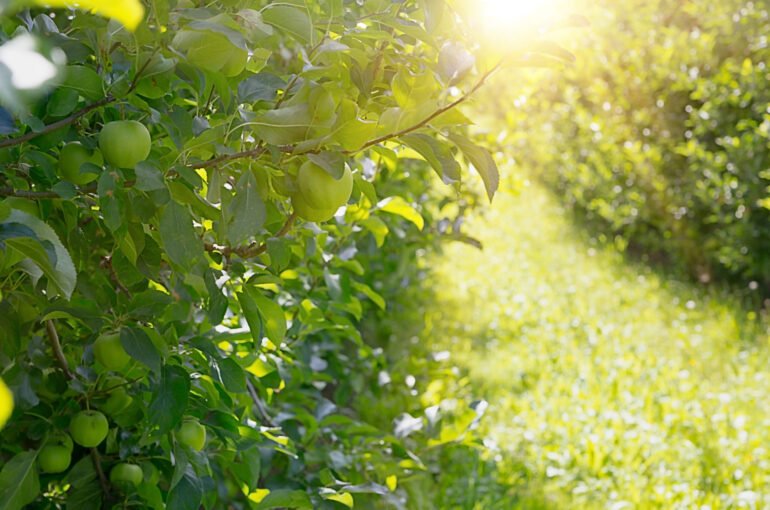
{"points": [[608, 383]]}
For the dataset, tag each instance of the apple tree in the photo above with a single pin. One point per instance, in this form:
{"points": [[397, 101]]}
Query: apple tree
{"points": [[190, 191]]}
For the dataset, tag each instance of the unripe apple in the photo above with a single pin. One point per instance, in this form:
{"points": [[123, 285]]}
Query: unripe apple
{"points": [[322, 191], [192, 434], [124, 143], [54, 458], [60, 438], [117, 402], [72, 157], [126, 474], [110, 352], [89, 428], [212, 51], [306, 212]]}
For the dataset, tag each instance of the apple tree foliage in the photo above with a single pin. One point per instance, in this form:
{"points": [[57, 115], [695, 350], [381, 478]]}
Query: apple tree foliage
{"points": [[236, 301]]}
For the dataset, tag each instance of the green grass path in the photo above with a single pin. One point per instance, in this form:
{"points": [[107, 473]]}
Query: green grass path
{"points": [[609, 386]]}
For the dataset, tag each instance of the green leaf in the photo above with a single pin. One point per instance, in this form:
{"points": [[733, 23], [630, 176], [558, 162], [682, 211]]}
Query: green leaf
{"points": [[186, 495], [86, 497], [252, 316], [139, 346], [272, 314], [399, 207], [61, 271], [370, 293], [85, 81], [246, 213], [231, 375], [285, 499], [292, 20], [248, 467], [82, 473], [148, 177], [377, 227], [182, 245], [260, 87], [344, 498], [437, 154], [19, 484], [483, 163], [413, 90], [170, 401], [217, 305], [151, 495]]}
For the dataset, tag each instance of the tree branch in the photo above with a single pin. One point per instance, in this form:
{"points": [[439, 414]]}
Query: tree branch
{"points": [[219, 160], [31, 195], [97, 462], [53, 339], [66, 121], [258, 151], [430, 117]]}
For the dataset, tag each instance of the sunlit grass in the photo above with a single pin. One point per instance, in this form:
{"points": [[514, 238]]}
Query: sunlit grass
{"points": [[609, 385]]}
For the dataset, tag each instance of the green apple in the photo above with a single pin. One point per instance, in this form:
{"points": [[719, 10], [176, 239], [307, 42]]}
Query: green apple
{"points": [[213, 51], [117, 402], [306, 212], [110, 352], [321, 190], [191, 433], [126, 474], [60, 438], [89, 428], [72, 157], [54, 458], [124, 143]]}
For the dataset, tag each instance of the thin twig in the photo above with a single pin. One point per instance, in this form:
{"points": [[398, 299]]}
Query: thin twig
{"points": [[66, 121], [429, 118], [259, 405], [53, 338], [258, 151]]}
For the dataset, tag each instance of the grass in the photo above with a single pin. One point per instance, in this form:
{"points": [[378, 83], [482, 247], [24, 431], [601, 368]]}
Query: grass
{"points": [[610, 386]]}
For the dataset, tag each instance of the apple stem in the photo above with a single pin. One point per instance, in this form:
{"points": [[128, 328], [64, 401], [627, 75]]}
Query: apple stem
{"points": [[53, 338]]}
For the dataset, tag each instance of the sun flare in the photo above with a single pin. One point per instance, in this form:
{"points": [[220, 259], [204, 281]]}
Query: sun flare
{"points": [[506, 19]]}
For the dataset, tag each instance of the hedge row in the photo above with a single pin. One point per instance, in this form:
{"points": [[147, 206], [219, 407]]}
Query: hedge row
{"points": [[659, 133]]}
